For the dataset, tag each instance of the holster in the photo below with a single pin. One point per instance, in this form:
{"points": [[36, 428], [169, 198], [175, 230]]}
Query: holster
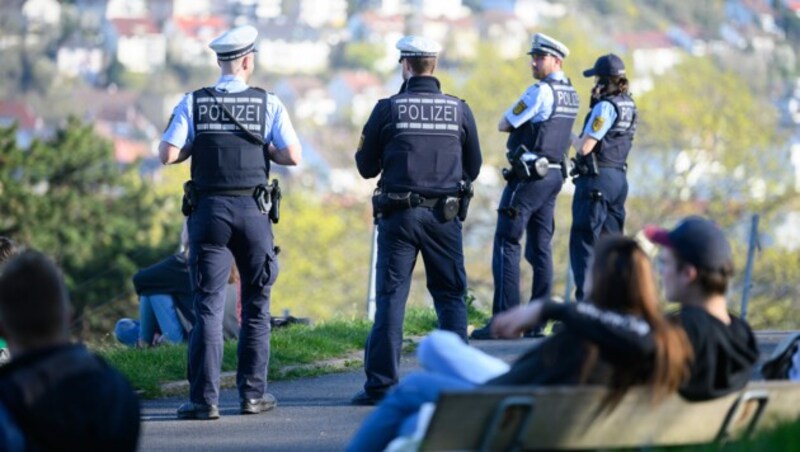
{"points": [[189, 201], [465, 192], [275, 199], [385, 203], [263, 200], [584, 165]]}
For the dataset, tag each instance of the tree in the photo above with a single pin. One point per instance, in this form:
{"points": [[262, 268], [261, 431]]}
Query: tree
{"points": [[67, 197], [703, 136]]}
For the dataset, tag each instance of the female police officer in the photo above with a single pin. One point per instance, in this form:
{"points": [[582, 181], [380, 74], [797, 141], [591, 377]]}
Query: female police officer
{"points": [[424, 145], [598, 206], [231, 131]]}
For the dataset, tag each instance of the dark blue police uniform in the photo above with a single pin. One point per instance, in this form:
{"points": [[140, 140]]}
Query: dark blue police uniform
{"points": [[423, 142], [228, 129], [528, 205], [598, 205]]}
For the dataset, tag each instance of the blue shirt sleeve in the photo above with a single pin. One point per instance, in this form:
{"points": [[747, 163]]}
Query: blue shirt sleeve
{"points": [[602, 118], [535, 104], [180, 130], [279, 130]]}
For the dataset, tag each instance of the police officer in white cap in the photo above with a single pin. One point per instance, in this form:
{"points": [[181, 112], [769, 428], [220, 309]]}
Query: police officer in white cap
{"points": [[232, 131], [601, 184], [539, 125], [424, 146]]}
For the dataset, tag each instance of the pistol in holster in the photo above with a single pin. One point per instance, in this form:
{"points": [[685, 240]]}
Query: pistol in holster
{"points": [[584, 165], [465, 193], [189, 201], [275, 198]]}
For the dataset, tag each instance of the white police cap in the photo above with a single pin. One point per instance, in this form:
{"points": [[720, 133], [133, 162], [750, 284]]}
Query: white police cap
{"points": [[417, 46], [235, 43], [545, 44]]}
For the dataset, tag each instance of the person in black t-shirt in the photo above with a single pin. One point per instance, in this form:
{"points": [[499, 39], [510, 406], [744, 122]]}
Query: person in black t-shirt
{"points": [[696, 265], [623, 301]]}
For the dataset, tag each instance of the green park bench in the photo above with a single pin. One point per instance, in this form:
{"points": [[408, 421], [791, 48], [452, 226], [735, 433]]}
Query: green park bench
{"points": [[568, 418]]}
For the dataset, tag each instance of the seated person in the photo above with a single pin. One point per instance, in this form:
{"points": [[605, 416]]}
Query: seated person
{"points": [[620, 282], [165, 303], [58, 394], [696, 265]]}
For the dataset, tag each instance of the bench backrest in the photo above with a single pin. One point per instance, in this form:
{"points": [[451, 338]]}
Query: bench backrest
{"points": [[507, 418]]}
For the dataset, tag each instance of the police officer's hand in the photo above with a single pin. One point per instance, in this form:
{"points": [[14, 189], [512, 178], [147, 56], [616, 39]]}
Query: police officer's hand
{"points": [[512, 323]]}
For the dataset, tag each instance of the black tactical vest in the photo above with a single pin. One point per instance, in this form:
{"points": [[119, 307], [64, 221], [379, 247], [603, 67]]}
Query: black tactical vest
{"points": [[550, 138], [613, 149], [424, 151], [223, 155]]}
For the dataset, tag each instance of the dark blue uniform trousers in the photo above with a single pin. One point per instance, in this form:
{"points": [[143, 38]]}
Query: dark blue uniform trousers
{"points": [[532, 207], [598, 207], [401, 235], [219, 227]]}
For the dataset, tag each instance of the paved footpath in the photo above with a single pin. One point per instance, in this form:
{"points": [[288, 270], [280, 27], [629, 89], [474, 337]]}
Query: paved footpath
{"points": [[313, 414]]}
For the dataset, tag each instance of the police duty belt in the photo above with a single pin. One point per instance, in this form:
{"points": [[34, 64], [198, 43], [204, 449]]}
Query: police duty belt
{"points": [[256, 138]]}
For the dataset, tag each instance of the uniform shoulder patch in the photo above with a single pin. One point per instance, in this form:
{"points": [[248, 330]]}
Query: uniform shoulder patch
{"points": [[520, 107], [597, 124]]}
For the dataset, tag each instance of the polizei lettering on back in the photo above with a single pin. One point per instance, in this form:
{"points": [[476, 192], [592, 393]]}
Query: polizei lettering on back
{"points": [[426, 114], [211, 116]]}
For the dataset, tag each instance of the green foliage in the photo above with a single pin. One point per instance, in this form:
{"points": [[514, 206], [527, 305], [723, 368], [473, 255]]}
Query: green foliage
{"points": [[324, 258], [68, 198], [363, 55], [711, 141]]}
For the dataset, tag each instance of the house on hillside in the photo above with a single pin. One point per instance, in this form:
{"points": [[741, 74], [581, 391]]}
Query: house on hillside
{"points": [[29, 124], [355, 94], [652, 52], [307, 99], [319, 13], [189, 38], [42, 14], [290, 48], [81, 58], [505, 32], [115, 116], [380, 29], [126, 9], [138, 44], [459, 37], [248, 11], [533, 13]]}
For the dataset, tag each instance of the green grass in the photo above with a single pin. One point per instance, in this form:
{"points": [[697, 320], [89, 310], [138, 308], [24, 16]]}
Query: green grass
{"points": [[784, 438], [296, 345]]}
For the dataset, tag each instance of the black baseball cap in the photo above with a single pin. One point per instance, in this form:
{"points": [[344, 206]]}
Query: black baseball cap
{"points": [[607, 65], [696, 240]]}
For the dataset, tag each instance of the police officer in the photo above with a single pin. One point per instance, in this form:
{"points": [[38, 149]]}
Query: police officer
{"points": [[541, 121], [424, 145], [598, 205], [231, 131]]}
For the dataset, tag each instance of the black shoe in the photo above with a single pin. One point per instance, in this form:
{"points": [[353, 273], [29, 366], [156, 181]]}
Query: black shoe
{"points": [[364, 398], [483, 334], [255, 406], [191, 410]]}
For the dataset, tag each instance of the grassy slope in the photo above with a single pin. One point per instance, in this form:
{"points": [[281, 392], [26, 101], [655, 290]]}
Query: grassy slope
{"points": [[291, 346]]}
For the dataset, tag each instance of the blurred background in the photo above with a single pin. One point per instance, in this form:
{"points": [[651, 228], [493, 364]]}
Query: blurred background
{"points": [[87, 86]]}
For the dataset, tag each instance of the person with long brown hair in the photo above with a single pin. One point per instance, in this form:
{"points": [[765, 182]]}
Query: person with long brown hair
{"points": [[601, 186], [618, 339]]}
